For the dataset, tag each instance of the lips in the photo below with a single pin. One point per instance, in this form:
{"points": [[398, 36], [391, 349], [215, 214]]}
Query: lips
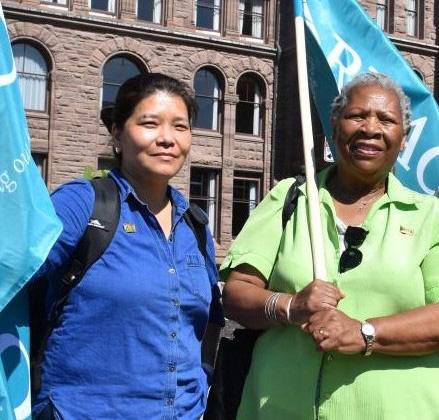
{"points": [[164, 155], [366, 149]]}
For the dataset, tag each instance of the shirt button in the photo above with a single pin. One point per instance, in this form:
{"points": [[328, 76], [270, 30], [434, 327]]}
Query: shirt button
{"points": [[169, 401], [171, 271], [173, 334], [172, 367], [330, 358], [175, 302]]}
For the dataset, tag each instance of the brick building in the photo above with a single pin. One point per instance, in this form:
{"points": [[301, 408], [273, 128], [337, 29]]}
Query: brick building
{"points": [[239, 57]]}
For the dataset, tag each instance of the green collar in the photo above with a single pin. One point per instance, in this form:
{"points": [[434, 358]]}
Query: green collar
{"points": [[396, 192]]}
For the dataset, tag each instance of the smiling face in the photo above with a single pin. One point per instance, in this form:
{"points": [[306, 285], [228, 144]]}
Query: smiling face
{"points": [[369, 134], [155, 139]]}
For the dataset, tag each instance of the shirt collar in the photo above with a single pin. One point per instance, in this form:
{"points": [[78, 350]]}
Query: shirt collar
{"points": [[396, 192], [322, 176], [179, 203]]}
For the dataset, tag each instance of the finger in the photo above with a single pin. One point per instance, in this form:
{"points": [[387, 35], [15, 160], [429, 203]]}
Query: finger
{"points": [[325, 307], [323, 315], [330, 288], [340, 295], [325, 345], [317, 338], [317, 300], [331, 292], [305, 327], [320, 333], [328, 303]]}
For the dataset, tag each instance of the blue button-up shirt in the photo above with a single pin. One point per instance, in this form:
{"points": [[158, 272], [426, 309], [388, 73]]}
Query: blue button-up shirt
{"points": [[129, 340]]}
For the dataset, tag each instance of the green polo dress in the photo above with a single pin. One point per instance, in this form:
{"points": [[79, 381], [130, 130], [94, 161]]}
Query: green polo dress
{"points": [[288, 378]]}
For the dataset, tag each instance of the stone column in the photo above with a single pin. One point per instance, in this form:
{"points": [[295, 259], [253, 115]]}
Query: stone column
{"points": [[80, 6], [268, 124], [231, 18], [230, 102], [127, 9]]}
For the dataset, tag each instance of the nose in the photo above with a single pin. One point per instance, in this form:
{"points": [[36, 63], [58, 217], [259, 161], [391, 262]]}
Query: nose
{"points": [[372, 127], [166, 136]]}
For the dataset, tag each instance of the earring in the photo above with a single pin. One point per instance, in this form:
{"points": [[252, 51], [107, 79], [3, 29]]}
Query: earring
{"points": [[117, 150]]}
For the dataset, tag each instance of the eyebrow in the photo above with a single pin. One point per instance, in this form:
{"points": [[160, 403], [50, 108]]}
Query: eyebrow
{"points": [[152, 115], [148, 116], [361, 109]]}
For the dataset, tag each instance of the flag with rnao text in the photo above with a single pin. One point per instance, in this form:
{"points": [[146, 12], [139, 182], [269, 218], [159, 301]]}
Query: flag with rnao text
{"points": [[28, 229], [343, 41]]}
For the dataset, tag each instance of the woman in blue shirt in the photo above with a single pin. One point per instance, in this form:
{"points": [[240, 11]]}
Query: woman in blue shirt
{"points": [[128, 343]]}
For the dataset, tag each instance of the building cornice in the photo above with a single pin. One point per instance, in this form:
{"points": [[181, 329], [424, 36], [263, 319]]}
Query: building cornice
{"points": [[104, 24], [414, 46]]}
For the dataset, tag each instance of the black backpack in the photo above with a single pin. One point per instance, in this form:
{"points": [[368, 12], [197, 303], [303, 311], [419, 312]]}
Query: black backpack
{"points": [[97, 237]]}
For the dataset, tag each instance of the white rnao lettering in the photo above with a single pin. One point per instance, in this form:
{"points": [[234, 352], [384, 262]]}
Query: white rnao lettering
{"points": [[342, 49]]}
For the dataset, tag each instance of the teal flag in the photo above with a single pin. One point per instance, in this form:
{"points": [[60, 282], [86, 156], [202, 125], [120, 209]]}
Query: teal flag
{"points": [[342, 42], [28, 229]]}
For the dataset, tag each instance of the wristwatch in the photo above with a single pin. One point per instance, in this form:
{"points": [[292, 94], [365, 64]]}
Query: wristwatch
{"points": [[368, 332]]}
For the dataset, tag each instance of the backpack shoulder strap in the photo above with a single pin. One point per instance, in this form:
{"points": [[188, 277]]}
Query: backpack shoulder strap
{"points": [[290, 202], [95, 240], [100, 230], [103, 222], [197, 221]]}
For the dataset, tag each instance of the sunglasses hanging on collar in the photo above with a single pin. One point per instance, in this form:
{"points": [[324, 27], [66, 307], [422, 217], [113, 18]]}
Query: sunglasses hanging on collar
{"points": [[352, 256]]}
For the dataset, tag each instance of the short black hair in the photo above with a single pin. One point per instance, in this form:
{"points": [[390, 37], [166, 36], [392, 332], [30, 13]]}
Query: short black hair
{"points": [[140, 87]]}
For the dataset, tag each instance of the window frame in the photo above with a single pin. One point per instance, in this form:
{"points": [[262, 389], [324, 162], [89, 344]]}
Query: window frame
{"points": [[111, 8], [55, 2], [41, 162], [217, 101], [212, 175], [242, 14], [131, 59], [45, 76], [246, 177], [156, 13], [258, 107], [414, 17], [419, 74], [383, 23], [217, 9]]}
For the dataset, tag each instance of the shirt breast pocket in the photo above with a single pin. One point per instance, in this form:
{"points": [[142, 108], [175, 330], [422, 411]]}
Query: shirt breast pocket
{"points": [[199, 278]]}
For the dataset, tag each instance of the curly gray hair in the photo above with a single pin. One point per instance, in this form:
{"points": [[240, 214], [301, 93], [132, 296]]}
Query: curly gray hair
{"points": [[372, 79]]}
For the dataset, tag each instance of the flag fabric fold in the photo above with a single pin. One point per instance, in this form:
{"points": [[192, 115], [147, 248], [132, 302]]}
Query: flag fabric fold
{"points": [[29, 227], [342, 42]]}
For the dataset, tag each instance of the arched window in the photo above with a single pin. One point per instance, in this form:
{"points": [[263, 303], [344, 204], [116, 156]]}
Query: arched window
{"points": [[116, 71], [249, 110], [33, 73], [419, 74], [207, 94]]}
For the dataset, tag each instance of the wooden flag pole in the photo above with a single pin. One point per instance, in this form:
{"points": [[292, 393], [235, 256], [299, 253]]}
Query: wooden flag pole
{"points": [[315, 223]]}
